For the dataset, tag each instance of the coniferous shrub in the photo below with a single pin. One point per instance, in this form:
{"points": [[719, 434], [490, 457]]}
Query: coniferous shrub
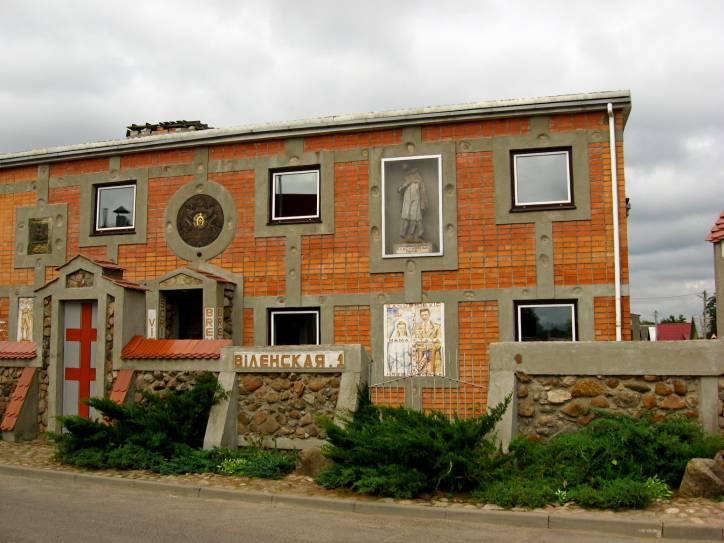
{"points": [[162, 433], [139, 434], [401, 452]]}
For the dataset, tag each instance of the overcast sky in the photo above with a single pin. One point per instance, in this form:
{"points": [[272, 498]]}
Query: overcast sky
{"points": [[75, 72]]}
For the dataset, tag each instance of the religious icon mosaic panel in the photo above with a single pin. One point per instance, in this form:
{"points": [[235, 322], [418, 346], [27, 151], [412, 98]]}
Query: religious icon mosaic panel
{"points": [[414, 339]]}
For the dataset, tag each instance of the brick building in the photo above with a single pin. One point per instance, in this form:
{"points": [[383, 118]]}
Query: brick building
{"points": [[423, 235]]}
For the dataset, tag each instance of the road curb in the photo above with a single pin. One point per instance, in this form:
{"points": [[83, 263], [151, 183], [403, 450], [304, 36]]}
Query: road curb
{"points": [[638, 528]]}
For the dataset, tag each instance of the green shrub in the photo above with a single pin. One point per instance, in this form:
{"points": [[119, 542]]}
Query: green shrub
{"points": [[516, 492], [258, 462], [400, 452], [620, 493], [614, 447], [161, 433]]}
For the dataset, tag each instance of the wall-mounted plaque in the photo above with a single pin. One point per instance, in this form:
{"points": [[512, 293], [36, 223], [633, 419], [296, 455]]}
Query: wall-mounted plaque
{"points": [[200, 220], [39, 236], [412, 206], [414, 339], [25, 319]]}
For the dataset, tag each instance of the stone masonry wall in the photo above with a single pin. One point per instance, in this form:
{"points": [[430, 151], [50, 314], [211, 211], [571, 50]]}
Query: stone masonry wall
{"points": [[8, 380], [286, 404], [159, 381], [108, 362], [549, 405], [44, 377]]}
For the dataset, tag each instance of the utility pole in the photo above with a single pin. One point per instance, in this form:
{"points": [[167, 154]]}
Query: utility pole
{"points": [[705, 328], [656, 316]]}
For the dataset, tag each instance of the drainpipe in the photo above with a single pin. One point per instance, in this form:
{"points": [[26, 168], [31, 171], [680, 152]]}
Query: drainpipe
{"points": [[616, 231]]}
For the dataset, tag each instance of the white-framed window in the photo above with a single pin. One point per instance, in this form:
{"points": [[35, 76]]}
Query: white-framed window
{"points": [[545, 321], [115, 208], [295, 195], [542, 178], [294, 327]]}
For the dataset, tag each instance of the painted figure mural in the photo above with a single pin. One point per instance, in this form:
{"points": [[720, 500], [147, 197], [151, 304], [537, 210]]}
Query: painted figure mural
{"points": [[415, 339]]}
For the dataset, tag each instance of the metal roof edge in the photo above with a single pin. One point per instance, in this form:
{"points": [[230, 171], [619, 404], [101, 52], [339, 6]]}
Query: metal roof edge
{"points": [[326, 125]]}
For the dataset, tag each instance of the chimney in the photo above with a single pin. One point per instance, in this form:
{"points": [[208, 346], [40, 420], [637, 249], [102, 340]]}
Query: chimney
{"points": [[148, 129]]}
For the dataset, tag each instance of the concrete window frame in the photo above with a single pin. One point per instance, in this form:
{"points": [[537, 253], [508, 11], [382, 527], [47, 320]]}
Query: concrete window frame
{"points": [[97, 198], [438, 209], [541, 140], [273, 313], [520, 305], [276, 215], [519, 203]]}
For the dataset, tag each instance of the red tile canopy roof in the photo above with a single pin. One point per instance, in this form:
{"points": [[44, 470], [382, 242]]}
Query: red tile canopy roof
{"points": [[18, 349], [673, 331], [12, 413], [717, 231], [142, 348]]}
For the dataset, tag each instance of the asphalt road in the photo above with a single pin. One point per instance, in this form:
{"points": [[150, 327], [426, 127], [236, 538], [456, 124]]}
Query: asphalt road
{"points": [[38, 510]]}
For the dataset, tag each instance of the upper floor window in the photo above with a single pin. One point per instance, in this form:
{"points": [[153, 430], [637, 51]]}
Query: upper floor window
{"points": [[546, 321], [542, 179], [294, 327], [295, 195], [115, 208]]}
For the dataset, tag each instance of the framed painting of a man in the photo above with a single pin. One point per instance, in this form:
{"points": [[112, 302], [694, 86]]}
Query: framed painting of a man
{"points": [[414, 339], [412, 206]]}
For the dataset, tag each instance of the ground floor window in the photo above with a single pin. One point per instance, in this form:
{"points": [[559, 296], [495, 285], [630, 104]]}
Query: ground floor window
{"points": [[546, 321], [294, 327], [182, 312]]}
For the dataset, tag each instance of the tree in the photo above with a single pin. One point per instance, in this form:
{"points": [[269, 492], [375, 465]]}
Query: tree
{"points": [[711, 316], [671, 318]]}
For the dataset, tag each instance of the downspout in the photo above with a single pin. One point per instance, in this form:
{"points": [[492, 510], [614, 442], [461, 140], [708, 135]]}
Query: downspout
{"points": [[616, 228]]}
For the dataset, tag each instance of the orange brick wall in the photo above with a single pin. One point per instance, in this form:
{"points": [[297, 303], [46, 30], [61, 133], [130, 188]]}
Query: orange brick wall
{"points": [[583, 250], [478, 327], [489, 255], [259, 260], [354, 140], [340, 263], [388, 396], [153, 259], [16, 175], [477, 129], [4, 318], [246, 150], [604, 313], [9, 275], [78, 167], [158, 158], [248, 327], [352, 325]]}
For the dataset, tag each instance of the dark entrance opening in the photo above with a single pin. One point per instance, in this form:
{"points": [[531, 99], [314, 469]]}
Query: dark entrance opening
{"points": [[184, 313]]}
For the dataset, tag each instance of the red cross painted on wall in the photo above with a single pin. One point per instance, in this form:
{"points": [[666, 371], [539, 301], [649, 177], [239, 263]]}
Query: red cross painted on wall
{"points": [[86, 335]]}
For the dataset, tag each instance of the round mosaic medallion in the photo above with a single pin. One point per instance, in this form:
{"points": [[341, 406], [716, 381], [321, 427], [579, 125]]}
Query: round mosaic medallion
{"points": [[200, 220]]}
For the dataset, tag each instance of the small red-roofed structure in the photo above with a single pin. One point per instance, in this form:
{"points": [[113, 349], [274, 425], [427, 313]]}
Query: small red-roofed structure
{"points": [[673, 331]]}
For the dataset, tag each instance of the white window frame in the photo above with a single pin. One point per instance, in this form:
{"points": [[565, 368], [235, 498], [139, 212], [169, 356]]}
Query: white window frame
{"points": [[519, 319], [275, 175], [274, 312], [98, 189], [568, 200]]}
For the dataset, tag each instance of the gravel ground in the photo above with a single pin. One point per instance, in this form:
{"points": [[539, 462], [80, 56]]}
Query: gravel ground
{"points": [[39, 454]]}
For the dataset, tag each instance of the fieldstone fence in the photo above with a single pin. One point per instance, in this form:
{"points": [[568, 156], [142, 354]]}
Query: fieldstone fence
{"points": [[557, 387]]}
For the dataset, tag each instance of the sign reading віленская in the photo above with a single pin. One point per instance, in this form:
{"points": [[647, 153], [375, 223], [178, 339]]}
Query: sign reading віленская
{"points": [[290, 360]]}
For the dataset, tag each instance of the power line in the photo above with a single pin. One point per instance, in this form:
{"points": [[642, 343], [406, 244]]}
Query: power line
{"points": [[667, 297]]}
